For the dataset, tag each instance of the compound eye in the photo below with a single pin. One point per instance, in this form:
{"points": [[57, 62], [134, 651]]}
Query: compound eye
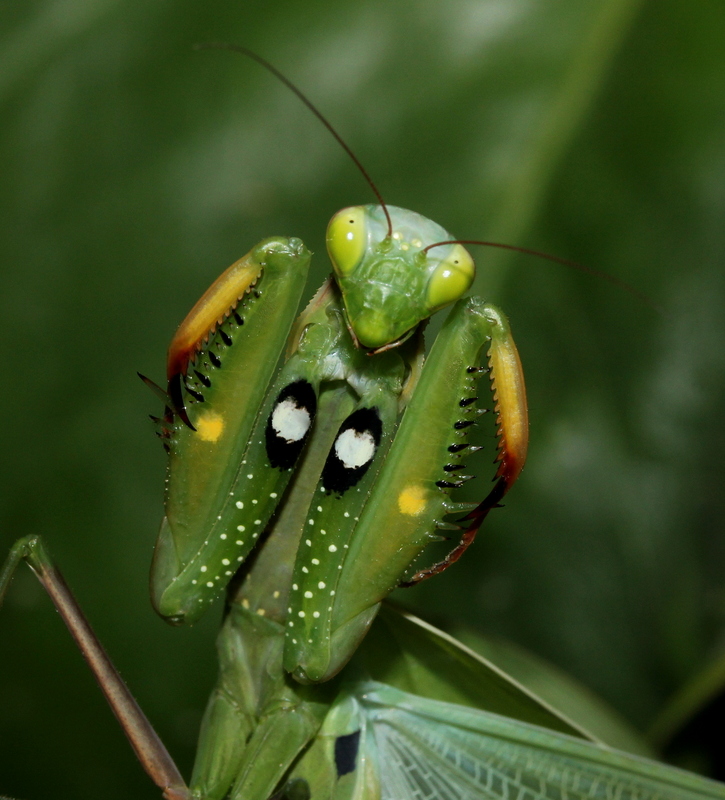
{"points": [[346, 239], [451, 279]]}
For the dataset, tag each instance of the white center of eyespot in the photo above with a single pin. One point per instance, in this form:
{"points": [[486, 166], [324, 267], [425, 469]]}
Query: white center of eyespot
{"points": [[289, 421], [354, 448]]}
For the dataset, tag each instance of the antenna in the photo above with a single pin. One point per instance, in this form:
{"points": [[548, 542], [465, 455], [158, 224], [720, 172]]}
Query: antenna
{"points": [[235, 48], [618, 282]]}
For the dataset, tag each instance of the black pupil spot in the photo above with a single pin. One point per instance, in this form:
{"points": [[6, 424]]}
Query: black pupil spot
{"points": [[346, 748], [289, 424]]}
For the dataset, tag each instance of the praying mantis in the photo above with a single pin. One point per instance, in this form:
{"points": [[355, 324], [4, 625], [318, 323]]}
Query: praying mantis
{"points": [[354, 714]]}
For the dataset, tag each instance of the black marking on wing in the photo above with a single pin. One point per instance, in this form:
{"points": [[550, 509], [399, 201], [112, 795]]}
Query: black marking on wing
{"points": [[346, 748], [337, 476], [283, 451]]}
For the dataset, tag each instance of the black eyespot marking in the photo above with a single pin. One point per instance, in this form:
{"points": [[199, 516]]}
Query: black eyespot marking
{"points": [[238, 318], [467, 401], [353, 451], [289, 424], [346, 748], [214, 358], [225, 337], [453, 467]]}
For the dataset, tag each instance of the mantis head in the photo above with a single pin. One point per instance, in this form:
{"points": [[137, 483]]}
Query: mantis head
{"points": [[390, 282]]}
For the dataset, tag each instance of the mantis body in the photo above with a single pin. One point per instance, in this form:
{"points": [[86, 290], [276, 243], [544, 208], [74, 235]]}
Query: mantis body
{"points": [[308, 492]]}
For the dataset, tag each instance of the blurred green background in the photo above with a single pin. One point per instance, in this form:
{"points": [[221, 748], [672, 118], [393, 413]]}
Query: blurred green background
{"points": [[133, 170]]}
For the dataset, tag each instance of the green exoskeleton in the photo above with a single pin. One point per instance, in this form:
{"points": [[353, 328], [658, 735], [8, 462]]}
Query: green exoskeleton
{"points": [[383, 490], [308, 490], [381, 439]]}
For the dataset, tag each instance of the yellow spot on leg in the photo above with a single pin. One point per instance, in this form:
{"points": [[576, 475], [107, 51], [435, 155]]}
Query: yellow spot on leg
{"points": [[209, 426], [412, 500]]}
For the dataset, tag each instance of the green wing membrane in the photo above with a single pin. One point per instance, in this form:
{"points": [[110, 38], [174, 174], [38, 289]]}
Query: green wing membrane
{"points": [[384, 744]]}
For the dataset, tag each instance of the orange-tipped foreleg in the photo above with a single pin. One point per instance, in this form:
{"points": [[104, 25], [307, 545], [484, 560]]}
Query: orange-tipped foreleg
{"points": [[512, 421]]}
